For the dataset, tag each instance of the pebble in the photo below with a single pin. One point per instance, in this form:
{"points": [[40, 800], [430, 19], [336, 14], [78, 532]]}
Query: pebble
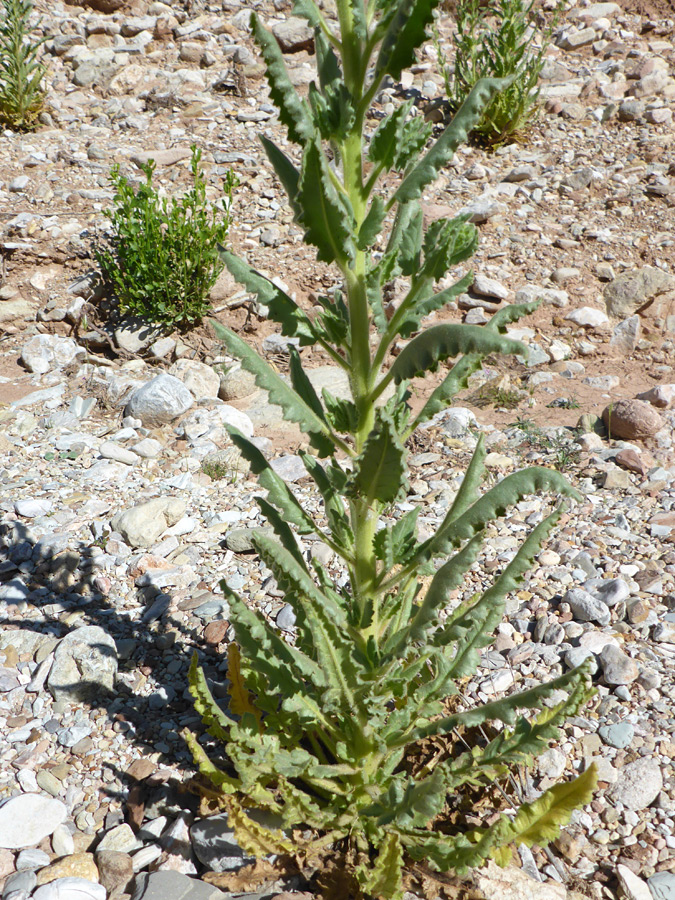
{"points": [[638, 785]]}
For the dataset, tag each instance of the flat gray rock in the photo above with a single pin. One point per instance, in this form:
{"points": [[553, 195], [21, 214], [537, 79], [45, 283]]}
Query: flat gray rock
{"points": [[214, 844], [143, 525], [85, 665], [162, 885], [28, 819]]}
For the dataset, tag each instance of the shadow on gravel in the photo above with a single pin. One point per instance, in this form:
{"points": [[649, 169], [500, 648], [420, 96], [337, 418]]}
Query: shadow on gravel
{"points": [[64, 586]]}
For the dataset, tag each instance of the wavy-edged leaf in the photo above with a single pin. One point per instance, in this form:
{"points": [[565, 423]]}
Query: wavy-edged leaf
{"points": [[277, 667], [406, 32], [540, 822], [309, 11], [280, 307], [281, 529], [380, 470], [426, 351], [278, 491], [324, 216], [300, 809], [467, 117], [302, 385], [241, 702], [327, 65], [504, 709], [386, 141], [282, 394], [332, 110], [224, 782], [395, 543], [293, 111], [447, 242], [338, 521], [383, 879], [372, 224], [286, 172], [253, 838], [474, 628], [425, 305], [456, 380], [492, 505], [216, 722], [341, 414]]}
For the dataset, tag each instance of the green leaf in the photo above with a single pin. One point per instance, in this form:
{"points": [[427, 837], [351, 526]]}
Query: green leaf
{"points": [[293, 111], [342, 414], [327, 65], [294, 407], [334, 506], [286, 172], [406, 32], [278, 491], [379, 472], [384, 877], [224, 782], [467, 117], [540, 822], [216, 721], [309, 11], [324, 215], [447, 242], [372, 224], [386, 141], [425, 306], [456, 379], [333, 110], [424, 352], [281, 308], [302, 385]]}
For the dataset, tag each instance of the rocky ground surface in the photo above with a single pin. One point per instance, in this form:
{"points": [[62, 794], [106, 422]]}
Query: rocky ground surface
{"points": [[122, 505]]}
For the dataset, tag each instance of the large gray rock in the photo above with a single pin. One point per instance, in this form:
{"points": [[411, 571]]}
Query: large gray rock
{"points": [[214, 844], [135, 334], [143, 525], [630, 292], [639, 784], [159, 401], [70, 889], [294, 35], [28, 819], [617, 668], [85, 665], [662, 885], [586, 607], [160, 885]]}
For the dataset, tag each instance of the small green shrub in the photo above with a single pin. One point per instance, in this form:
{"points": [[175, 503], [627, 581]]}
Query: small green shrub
{"points": [[162, 258], [356, 731], [22, 95], [495, 40]]}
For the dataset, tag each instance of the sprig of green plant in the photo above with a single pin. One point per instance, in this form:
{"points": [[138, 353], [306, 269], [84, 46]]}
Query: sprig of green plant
{"points": [[22, 94], [325, 731], [496, 40], [162, 259]]}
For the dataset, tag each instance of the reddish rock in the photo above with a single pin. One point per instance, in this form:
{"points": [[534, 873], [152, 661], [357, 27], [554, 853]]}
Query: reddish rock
{"points": [[629, 459], [215, 631], [663, 396], [632, 419]]}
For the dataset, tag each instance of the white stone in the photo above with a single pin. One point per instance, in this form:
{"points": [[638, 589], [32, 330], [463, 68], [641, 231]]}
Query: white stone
{"points": [[237, 419], [48, 351], [159, 401], [31, 509], [201, 380], [632, 886], [28, 819], [588, 316], [120, 838], [143, 525], [70, 889], [111, 450]]}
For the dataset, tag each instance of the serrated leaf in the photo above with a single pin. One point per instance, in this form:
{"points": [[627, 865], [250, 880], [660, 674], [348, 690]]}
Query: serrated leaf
{"points": [[372, 224], [309, 11], [216, 721], [278, 491], [465, 120], [294, 407], [286, 172], [241, 702], [447, 242], [386, 141], [293, 111], [425, 305], [456, 379], [424, 352], [224, 782], [380, 470], [253, 838], [335, 511], [281, 308], [383, 879], [342, 414], [302, 385], [327, 65], [406, 32], [323, 214], [540, 822]]}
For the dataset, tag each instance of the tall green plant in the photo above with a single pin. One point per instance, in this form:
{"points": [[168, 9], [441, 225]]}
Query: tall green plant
{"points": [[324, 731], [21, 72]]}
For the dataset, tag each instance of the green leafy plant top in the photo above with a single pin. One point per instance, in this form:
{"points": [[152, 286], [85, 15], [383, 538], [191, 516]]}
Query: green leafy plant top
{"points": [[325, 731], [162, 258], [22, 94]]}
